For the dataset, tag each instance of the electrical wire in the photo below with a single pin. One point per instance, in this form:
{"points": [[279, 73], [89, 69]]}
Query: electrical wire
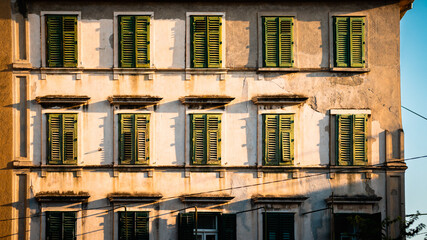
{"points": [[419, 115]]}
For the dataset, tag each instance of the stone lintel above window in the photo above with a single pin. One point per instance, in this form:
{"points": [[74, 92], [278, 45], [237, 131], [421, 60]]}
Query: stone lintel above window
{"points": [[45, 197], [206, 198], [134, 100], [283, 99], [134, 197], [353, 200], [278, 199], [206, 100], [62, 100]]}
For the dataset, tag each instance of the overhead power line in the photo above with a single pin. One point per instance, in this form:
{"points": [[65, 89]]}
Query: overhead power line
{"points": [[419, 115]]}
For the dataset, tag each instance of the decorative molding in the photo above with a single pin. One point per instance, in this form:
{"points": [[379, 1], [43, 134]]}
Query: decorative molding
{"points": [[214, 100], [134, 197], [353, 200], [62, 100], [206, 198], [135, 100], [270, 199], [285, 99], [45, 197]]}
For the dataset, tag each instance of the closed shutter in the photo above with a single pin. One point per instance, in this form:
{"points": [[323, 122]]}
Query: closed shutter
{"points": [[199, 41], [287, 139], [360, 139], [142, 138], [271, 139], [127, 143], [70, 41], [69, 221], [271, 43], [70, 138], [357, 41], [53, 225], [228, 227], [186, 226], [142, 39], [54, 40], [141, 226], [345, 137], [214, 41], [55, 139], [213, 139], [342, 38], [127, 41], [198, 141], [126, 225], [278, 226], [286, 41]]}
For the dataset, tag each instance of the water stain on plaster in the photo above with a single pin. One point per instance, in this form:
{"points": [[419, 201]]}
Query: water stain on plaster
{"points": [[347, 79]]}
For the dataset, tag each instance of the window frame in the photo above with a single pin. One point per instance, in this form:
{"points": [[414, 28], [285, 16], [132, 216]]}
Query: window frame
{"points": [[43, 43], [331, 31], [60, 207], [188, 43], [116, 33], [265, 219], [133, 221]]}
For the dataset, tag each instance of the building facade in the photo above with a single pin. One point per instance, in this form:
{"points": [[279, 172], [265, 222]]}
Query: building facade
{"points": [[225, 120]]}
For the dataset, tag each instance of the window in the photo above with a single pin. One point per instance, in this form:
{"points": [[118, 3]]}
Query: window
{"points": [[60, 225], [352, 139], [133, 226], [134, 45], [62, 138], [278, 41], [205, 139], [348, 226], [278, 145], [278, 226], [134, 138], [210, 226], [61, 40], [206, 41], [349, 38]]}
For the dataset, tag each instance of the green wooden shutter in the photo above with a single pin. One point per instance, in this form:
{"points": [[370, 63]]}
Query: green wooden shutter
{"points": [[286, 139], [186, 226], [279, 226], [199, 41], [357, 41], [69, 221], [69, 138], [142, 136], [286, 41], [214, 41], [54, 139], [141, 226], [198, 138], [127, 138], [271, 43], [271, 139], [70, 41], [54, 40], [227, 228], [342, 48], [126, 225], [360, 140], [142, 39], [53, 225], [213, 136], [127, 41], [344, 137]]}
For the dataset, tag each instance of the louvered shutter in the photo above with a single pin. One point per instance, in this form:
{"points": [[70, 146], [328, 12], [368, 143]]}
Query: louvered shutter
{"points": [[70, 41], [214, 41], [286, 222], [186, 226], [54, 40], [55, 139], [345, 137], [53, 225], [342, 39], [126, 225], [360, 139], [142, 138], [227, 228], [69, 221], [286, 42], [69, 138], [286, 139], [357, 41], [141, 226], [279, 226], [271, 139], [127, 142], [198, 141], [127, 41], [199, 41], [213, 136], [142, 39], [271, 43]]}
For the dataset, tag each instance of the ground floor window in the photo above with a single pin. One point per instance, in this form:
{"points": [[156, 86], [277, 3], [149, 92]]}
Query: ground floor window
{"points": [[207, 226], [278, 226], [60, 225], [133, 225], [351, 226]]}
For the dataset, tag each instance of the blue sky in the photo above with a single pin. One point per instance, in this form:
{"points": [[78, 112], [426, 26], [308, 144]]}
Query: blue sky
{"points": [[413, 42]]}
